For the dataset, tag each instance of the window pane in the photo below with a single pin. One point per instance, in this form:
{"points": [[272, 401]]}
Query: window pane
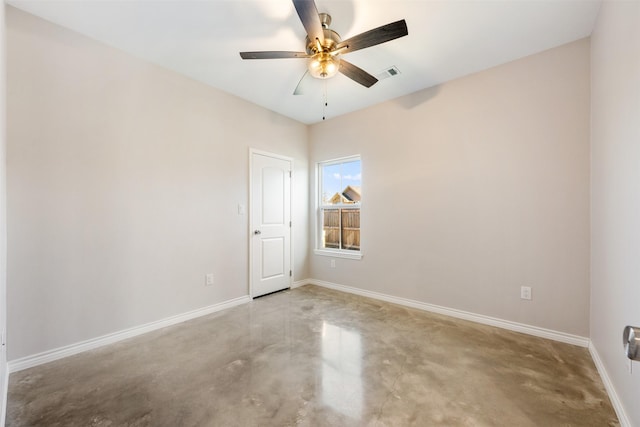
{"points": [[331, 228], [341, 229], [331, 184], [340, 185], [352, 177], [351, 229]]}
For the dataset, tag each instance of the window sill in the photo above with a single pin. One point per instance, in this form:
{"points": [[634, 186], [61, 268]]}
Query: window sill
{"points": [[338, 254]]}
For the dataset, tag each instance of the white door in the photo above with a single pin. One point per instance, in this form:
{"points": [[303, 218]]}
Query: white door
{"points": [[270, 223]]}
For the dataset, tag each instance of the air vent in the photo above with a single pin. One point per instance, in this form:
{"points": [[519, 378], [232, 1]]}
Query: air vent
{"points": [[389, 72]]}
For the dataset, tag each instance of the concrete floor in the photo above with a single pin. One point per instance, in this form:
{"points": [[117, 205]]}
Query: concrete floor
{"points": [[316, 357]]}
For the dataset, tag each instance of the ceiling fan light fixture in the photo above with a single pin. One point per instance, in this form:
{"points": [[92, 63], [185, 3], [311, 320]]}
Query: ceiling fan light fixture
{"points": [[323, 65], [324, 46]]}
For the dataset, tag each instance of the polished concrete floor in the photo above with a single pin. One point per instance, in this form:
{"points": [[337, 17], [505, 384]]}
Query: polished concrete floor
{"points": [[316, 357]]}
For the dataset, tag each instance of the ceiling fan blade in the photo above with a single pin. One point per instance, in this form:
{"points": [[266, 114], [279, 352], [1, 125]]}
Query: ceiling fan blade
{"points": [[302, 84], [373, 37], [357, 74], [308, 13], [272, 54]]}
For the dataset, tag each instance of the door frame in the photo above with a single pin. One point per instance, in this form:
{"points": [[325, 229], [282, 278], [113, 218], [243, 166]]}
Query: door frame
{"points": [[252, 152]]}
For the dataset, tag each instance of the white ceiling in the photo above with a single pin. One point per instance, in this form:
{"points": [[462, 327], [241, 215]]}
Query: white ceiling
{"points": [[201, 39]]}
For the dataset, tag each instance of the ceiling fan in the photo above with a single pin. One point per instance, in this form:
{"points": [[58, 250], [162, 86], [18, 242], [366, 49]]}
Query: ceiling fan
{"points": [[324, 47]]}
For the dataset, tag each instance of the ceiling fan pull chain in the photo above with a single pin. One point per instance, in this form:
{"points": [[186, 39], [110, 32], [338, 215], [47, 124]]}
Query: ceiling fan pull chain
{"points": [[325, 103]]}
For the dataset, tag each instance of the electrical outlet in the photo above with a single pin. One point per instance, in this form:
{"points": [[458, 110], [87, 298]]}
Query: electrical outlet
{"points": [[208, 279], [333, 263], [525, 292]]}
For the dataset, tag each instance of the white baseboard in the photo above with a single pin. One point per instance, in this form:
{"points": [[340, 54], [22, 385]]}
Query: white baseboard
{"points": [[608, 385], [5, 392], [299, 283], [478, 318], [69, 350]]}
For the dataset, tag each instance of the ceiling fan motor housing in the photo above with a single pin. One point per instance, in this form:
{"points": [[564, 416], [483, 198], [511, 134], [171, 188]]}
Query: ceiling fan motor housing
{"points": [[324, 62], [331, 39]]}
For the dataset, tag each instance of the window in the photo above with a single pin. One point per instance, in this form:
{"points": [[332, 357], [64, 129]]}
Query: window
{"points": [[339, 205]]}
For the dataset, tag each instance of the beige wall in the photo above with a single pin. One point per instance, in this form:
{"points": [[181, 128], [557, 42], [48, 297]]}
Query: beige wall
{"points": [[615, 190], [123, 186], [475, 188], [3, 216]]}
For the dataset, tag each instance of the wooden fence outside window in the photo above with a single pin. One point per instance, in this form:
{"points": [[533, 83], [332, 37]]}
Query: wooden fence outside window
{"points": [[347, 220]]}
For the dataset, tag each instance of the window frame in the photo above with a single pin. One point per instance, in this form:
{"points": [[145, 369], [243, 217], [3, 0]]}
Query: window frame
{"points": [[320, 207]]}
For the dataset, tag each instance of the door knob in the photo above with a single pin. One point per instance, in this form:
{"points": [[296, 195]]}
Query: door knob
{"points": [[257, 232], [631, 341]]}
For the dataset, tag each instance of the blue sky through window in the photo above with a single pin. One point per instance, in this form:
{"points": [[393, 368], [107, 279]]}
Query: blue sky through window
{"points": [[336, 177]]}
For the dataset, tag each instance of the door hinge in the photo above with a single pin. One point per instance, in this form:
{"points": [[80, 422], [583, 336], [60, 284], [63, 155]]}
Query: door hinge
{"points": [[289, 174], [289, 224], [290, 273]]}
